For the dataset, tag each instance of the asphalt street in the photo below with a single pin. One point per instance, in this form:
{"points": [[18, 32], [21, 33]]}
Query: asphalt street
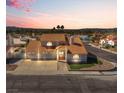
{"points": [[101, 53], [61, 84]]}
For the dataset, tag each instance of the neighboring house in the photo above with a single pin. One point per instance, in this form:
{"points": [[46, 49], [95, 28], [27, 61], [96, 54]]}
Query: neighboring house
{"points": [[109, 40], [102, 42], [9, 52], [57, 47], [85, 38], [9, 40], [112, 40], [13, 41], [26, 38], [17, 41]]}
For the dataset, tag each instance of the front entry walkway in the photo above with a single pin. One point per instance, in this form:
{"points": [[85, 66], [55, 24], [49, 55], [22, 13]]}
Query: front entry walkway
{"points": [[39, 68], [62, 67]]}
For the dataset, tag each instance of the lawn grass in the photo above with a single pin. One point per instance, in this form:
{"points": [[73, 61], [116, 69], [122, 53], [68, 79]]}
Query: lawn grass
{"points": [[92, 60], [79, 66]]}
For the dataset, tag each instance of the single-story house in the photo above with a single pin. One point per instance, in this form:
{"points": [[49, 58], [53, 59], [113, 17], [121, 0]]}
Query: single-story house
{"points": [[57, 47]]}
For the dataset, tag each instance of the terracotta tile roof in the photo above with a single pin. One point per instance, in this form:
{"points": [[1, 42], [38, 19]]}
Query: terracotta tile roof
{"points": [[42, 49], [77, 40], [33, 46], [53, 37], [74, 49], [78, 48]]}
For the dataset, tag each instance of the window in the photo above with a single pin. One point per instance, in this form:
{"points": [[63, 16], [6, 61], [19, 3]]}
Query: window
{"points": [[49, 44], [61, 53]]}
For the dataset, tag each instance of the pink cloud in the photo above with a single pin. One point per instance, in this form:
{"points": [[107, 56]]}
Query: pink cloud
{"points": [[20, 4], [46, 20]]}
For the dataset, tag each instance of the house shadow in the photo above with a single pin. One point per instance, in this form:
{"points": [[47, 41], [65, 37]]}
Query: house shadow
{"points": [[91, 58], [12, 60]]}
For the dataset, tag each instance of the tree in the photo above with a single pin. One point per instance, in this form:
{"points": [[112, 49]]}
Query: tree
{"points": [[58, 27], [62, 27], [54, 28]]}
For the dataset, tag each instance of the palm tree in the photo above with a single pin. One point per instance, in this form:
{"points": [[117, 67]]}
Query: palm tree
{"points": [[62, 27], [58, 27]]}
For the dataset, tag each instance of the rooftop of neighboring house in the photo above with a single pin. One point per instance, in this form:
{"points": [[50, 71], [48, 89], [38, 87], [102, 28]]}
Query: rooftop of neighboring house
{"points": [[111, 37]]}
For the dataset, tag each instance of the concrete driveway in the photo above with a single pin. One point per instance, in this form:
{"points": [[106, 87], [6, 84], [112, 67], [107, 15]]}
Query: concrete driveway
{"points": [[41, 67]]}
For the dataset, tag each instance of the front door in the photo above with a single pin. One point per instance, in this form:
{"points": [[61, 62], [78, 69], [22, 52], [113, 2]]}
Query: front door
{"points": [[61, 55]]}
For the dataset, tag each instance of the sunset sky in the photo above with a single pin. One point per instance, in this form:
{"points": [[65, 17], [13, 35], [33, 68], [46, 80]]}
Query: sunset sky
{"points": [[73, 14]]}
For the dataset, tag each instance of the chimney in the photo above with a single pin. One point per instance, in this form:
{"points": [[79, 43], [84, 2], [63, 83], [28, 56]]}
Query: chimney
{"points": [[71, 40]]}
